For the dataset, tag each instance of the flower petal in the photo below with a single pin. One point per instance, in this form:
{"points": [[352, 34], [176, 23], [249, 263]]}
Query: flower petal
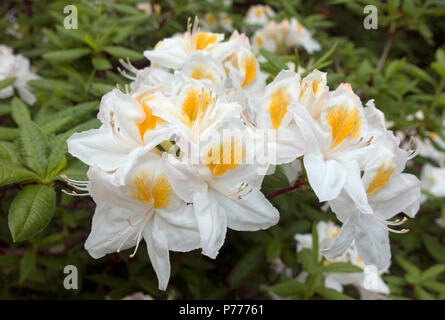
{"points": [[157, 247], [212, 223]]}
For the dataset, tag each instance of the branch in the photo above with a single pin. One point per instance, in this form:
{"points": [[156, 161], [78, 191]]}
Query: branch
{"points": [[297, 184], [385, 51]]}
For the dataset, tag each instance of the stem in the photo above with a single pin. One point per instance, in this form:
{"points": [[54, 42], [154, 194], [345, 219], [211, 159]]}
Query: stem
{"points": [[297, 184], [386, 49]]}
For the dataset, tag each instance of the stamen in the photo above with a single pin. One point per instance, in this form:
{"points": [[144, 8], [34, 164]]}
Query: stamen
{"points": [[397, 222], [75, 194]]}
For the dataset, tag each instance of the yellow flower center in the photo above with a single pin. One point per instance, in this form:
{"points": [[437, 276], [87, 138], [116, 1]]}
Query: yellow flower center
{"points": [[204, 40], [194, 106], [149, 191], [225, 156], [150, 122]]}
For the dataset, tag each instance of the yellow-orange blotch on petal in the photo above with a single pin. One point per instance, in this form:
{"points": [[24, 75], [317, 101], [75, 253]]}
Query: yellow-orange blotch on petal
{"points": [[344, 123], [248, 66], [380, 179], [226, 156], [147, 191], [278, 107]]}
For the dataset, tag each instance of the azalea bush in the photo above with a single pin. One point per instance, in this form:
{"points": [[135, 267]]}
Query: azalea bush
{"points": [[222, 150]]}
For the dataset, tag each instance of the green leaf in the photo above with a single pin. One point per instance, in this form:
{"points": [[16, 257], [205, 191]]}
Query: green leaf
{"points": [[57, 155], [274, 60], [101, 63], [99, 89], [408, 266], [8, 133], [341, 267], [434, 285], [8, 151], [288, 288], [6, 82], [32, 147], [31, 211], [332, 294], [19, 111], [27, 265], [322, 62], [421, 294], [51, 85], [315, 243], [273, 249], [433, 272], [67, 55], [246, 265], [434, 248], [121, 52], [11, 172], [307, 259], [420, 74]]}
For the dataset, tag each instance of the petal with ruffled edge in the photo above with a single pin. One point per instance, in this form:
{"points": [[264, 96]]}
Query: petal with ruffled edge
{"points": [[111, 231], [250, 213], [212, 222], [326, 177], [98, 147]]}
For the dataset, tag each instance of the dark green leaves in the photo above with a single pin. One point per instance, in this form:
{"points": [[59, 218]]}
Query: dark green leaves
{"points": [[32, 147], [11, 172], [121, 52], [67, 55], [19, 111], [31, 211]]}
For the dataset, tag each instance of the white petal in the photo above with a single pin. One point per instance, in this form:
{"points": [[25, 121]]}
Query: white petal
{"points": [[180, 227], [212, 223], [184, 181], [372, 241], [105, 190], [250, 213], [342, 242], [401, 194], [157, 247], [326, 177], [110, 230], [98, 147]]}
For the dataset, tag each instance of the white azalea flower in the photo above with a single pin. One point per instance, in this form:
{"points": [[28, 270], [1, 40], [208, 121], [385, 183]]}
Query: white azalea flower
{"points": [[127, 126], [173, 52], [368, 280], [282, 92], [138, 202], [16, 66], [332, 161], [299, 36], [433, 180], [259, 15], [282, 37], [243, 67], [388, 191], [224, 191], [145, 7]]}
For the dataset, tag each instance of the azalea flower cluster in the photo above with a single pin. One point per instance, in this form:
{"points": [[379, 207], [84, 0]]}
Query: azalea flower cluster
{"points": [[17, 67], [181, 155], [369, 283], [283, 36], [278, 37]]}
